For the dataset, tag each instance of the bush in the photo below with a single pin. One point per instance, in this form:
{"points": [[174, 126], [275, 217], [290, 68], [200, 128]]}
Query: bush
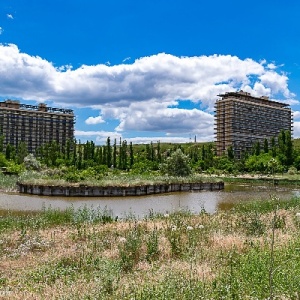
{"points": [[177, 164], [292, 171], [14, 168], [31, 163]]}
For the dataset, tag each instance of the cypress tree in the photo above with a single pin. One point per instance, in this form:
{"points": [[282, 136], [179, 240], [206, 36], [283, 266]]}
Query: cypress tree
{"points": [[131, 155], [108, 153], [115, 154], [266, 146]]}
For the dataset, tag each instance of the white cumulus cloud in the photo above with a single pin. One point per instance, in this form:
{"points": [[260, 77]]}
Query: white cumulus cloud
{"points": [[94, 120], [143, 95]]}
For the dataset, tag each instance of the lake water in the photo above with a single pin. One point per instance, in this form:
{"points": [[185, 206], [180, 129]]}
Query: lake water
{"points": [[141, 206]]}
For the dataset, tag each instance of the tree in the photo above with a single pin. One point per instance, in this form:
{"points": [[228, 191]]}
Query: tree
{"points": [[115, 154], [131, 154], [1, 143], [108, 153], [256, 148], [230, 153], [273, 146], [124, 155], [289, 148], [31, 163], [177, 164], [158, 152], [21, 152], [10, 152], [266, 146]]}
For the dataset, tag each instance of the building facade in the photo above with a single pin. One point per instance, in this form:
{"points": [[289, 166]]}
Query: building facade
{"points": [[241, 120], [34, 125]]}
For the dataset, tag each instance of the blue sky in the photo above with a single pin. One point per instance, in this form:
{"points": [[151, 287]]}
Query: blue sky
{"points": [[148, 70]]}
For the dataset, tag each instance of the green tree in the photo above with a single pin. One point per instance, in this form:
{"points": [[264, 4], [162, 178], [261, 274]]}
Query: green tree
{"points": [[158, 152], [230, 153], [108, 153], [120, 155], [115, 153], [123, 155], [21, 152], [1, 143], [177, 164], [10, 152], [148, 152], [289, 148], [256, 148], [131, 154], [31, 163], [266, 146], [273, 147]]}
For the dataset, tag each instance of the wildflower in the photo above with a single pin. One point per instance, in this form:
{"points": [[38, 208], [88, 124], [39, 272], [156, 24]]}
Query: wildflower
{"points": [[122, 240], [200, 226], [173, 228], [189, 228], [166, 215], [298, 215]]}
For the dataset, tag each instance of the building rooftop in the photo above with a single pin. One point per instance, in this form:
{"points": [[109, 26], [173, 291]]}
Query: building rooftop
{"points": [[42, 107], [247, 96]]}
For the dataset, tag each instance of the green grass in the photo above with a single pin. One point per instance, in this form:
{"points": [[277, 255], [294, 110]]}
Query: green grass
{"points": [[122, 180]]}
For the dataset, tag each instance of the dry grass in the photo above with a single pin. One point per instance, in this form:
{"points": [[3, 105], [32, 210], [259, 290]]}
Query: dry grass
{"points": [[76, 261]]}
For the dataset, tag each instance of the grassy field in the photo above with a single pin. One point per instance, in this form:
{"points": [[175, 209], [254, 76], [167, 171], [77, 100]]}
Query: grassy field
{"points": [[250, 252]]}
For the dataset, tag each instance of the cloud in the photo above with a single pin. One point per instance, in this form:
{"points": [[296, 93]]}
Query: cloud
{"points": [[126, 59], [101, 138], [94, 120], [1, 30], [296, 115], [154, 117], [296, 130], [10, 16], [144, 95], [161, 77]]}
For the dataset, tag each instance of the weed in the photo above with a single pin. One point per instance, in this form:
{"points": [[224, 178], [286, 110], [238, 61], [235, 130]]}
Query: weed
{"points": [[152, 246], [253, 224], [130, 249]]}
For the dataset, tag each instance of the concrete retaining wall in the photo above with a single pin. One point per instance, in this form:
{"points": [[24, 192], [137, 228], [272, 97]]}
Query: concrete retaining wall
{"points": [[99, 191]]}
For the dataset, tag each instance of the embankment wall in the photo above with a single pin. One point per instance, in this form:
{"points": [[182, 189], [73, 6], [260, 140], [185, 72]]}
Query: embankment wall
{"points": [[106, 191]]}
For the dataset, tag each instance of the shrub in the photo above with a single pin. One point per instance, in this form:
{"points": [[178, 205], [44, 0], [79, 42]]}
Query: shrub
{"points": [[31, 163], [177, 164], [292, 171]]}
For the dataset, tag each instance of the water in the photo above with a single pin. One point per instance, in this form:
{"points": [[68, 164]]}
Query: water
{"points": [[141, 206]]}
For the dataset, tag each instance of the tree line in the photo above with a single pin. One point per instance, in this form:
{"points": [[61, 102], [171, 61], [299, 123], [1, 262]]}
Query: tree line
{"points": [[140, 159]]}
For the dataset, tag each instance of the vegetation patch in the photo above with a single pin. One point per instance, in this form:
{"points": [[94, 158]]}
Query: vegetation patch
{"points": [[251, 251]]}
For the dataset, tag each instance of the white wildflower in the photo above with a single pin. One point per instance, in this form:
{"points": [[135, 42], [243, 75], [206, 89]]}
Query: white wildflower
{"points": [[173, 228], [166, 215], [298, 215], [200, 226], [189, 228], [122, 240]]}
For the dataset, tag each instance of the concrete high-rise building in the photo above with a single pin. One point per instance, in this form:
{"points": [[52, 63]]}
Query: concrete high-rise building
{"points": [[34, 125], [242, 119]]}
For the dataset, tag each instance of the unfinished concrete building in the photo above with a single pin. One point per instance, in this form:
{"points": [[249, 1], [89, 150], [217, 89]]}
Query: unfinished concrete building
{"points": [[241, 120], [34, 125]]}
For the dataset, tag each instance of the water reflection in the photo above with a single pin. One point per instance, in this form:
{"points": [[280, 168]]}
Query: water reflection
{"points": [[141, 206]]}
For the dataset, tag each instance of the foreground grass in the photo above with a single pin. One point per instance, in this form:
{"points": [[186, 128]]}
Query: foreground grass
{"points": [[86, 254]]}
